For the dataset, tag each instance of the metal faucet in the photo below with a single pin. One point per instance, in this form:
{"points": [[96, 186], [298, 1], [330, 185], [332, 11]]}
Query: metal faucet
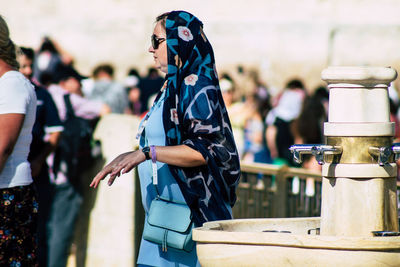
{"points": [[315, 149], [384, 153]]}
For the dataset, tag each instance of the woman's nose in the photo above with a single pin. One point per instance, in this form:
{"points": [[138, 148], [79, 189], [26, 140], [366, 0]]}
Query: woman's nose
{"points": [[151, 49]]}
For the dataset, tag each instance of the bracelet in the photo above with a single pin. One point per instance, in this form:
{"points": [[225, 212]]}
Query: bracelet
{"points": [[154, 164], [146, 151], [153, 154]]}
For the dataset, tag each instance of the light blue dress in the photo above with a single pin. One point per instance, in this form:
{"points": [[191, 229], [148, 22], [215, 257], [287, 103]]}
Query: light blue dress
{"points": [[150, 253]]}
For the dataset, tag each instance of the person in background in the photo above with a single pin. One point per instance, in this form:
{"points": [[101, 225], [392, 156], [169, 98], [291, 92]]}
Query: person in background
{"points": [[133, 78], [236, 110], [308, 127], [244, 82], [188, 134], [149, 87], [18, 206], [394, 103], [107, 90], [48, 60], [45, 135], [288, 107], [134, 105], [255, 148], [67, 196], [322, 94], [131, 83]]}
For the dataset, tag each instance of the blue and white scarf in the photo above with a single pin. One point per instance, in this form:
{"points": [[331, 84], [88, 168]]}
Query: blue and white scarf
{"points": [[194, 114]]}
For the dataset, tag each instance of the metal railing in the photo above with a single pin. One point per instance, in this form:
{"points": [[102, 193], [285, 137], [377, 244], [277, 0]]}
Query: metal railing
{"points": [[271, 191]]}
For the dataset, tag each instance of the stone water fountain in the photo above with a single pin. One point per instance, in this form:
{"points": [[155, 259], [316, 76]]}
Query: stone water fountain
{"points": [[359, 221]]}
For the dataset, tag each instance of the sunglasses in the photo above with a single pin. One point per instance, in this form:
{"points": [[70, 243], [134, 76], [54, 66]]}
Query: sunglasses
{"points": [[155, 41]]}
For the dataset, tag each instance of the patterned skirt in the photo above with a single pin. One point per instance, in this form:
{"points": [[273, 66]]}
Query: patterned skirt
{"points": [[18, 212]]}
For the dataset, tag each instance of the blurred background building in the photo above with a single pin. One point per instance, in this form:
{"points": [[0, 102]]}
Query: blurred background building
{"points": [[282, 39]]}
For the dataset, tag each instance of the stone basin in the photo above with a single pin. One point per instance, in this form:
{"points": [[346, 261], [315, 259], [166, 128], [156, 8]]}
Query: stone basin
{"points": [[245, 242]]}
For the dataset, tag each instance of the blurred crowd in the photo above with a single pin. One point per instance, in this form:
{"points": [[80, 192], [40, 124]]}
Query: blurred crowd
{"points": [[267, 125], [264, 125]]}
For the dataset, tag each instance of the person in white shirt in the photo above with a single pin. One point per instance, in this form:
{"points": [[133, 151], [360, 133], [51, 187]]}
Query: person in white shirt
{"points": [[18, 206]]}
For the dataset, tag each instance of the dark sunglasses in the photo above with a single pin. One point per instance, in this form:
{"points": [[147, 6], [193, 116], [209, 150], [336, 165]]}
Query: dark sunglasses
{"points": [[155, 41]]}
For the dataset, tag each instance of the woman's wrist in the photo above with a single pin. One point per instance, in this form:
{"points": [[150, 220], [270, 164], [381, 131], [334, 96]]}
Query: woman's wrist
{"points": [[146, 152]]}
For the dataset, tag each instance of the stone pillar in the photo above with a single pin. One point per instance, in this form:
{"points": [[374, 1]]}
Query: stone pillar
{"points": [[358, 195], [117, 216]]}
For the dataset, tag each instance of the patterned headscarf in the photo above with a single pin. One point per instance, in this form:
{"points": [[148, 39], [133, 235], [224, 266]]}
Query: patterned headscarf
{"points": [[194, 114]]}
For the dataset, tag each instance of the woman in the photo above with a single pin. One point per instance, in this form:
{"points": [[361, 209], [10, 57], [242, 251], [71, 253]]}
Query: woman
{"points": [[189, 127], [308, 127], [18, 206], [256, 149], [287, 108]]}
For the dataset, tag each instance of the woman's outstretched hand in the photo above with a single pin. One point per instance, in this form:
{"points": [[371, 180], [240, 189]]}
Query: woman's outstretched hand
{"points": [[120, 165]]}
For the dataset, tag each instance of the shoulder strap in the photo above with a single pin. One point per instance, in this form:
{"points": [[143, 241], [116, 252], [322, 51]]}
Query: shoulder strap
{"points": [[68, 105]]}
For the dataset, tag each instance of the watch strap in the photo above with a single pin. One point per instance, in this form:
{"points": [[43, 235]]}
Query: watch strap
{"points": [[146, 151]]}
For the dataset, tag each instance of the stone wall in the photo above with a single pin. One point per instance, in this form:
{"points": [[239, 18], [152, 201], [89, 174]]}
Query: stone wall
{"points": [[283, 38]]}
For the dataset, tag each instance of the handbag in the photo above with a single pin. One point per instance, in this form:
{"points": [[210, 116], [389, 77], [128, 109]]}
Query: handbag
{"points": [[169, 223]]}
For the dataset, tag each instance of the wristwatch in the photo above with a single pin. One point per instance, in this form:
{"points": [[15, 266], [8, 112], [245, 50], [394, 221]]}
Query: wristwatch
{"points": [[146, 151]]}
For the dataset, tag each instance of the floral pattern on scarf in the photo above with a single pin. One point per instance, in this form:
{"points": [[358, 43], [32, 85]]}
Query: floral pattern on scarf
{"points": [[194, 114]]}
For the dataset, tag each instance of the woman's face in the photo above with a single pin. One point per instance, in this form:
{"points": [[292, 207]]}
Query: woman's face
{"points": [[134, 95], [25, 66], [160, 54]]}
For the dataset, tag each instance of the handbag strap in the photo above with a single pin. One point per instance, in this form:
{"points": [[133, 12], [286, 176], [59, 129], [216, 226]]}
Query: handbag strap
{"points": [[153, 150]]}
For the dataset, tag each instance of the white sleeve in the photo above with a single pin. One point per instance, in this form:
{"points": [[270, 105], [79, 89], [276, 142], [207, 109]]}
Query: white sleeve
{"points": [[14, 96]]}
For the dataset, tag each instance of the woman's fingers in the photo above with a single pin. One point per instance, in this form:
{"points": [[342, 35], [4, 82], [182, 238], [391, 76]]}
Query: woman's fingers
{"points": [[94, 182], [112, 179], [100, 176], [113, 171], [128, 168], [117, 170], [120, 165]]}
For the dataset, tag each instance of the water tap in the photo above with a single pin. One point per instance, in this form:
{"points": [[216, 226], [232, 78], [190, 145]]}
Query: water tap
{"points": [[384, 153], [314, 149]]}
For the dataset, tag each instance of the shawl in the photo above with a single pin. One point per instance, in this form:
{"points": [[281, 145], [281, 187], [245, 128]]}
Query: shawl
{"points": [[194, 114]]}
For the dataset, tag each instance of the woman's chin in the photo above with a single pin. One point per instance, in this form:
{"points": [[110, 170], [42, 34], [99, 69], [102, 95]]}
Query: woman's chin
{"points": [[163, 69]]}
